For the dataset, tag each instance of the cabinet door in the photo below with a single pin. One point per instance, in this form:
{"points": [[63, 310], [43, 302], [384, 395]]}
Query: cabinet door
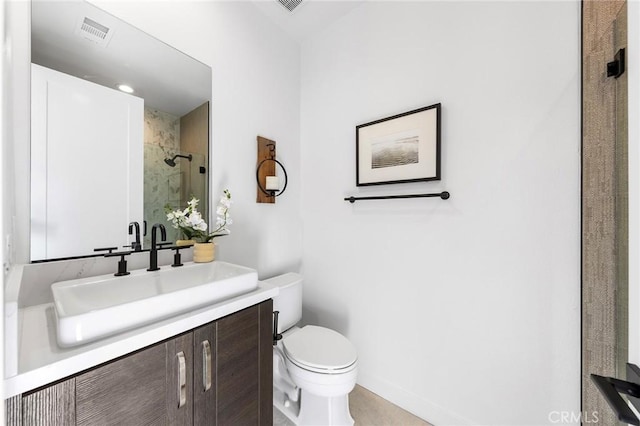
{"points": [[204, 375], [142, 388], [53, 405], [180, 380], [265, 346], [245, 367]]}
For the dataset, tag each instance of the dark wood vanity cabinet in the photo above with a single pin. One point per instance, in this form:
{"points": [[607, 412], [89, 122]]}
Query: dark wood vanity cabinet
{"points": [[217, 374], [142, 386], [245, 367], [243, 373]]}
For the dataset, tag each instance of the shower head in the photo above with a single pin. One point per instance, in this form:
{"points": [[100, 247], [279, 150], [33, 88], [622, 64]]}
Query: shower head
{"points": [[171, 162]]}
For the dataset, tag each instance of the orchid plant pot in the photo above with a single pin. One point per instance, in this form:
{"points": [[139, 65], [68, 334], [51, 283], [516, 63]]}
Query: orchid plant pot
{"points": [[203, 252]]}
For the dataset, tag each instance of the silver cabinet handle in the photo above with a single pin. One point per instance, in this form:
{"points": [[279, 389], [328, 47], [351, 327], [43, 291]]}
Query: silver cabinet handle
{"points": [[182, 380], [206, 365]]}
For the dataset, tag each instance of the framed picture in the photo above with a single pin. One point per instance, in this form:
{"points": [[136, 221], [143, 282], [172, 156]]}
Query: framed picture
{"points": [[399, 149]]}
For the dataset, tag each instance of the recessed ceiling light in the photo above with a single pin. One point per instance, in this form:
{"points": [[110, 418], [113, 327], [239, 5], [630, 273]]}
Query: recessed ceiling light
{"points": [[125, 88]]}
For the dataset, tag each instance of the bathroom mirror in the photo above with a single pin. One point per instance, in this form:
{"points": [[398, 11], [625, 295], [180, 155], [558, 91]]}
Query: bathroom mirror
{"points": [[164, 159]]}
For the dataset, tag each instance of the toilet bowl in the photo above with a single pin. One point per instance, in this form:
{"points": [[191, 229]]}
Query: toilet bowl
{"points": [[315, 368]]}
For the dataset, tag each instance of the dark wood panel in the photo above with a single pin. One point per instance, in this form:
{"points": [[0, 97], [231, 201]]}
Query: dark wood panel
{"points": [[268, 168], [204, 401], [194, 132], [13, 410], [53, 405], [265, 354], [133, 387], [237, 368], [179, 415]]}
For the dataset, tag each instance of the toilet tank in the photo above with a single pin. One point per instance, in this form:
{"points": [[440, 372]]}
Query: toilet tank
{"points": [[289, 299]]}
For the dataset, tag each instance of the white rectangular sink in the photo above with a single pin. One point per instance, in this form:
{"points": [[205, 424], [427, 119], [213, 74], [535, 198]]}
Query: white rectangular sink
{"points": [[91, 308]]}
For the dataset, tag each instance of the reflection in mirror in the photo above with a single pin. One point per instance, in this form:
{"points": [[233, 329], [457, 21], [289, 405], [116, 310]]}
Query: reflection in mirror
{"points": [[93, 48], [175, 163]]}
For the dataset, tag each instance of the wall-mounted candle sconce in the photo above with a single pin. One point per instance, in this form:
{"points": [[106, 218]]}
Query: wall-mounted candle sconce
{"points": [[269, 184]]}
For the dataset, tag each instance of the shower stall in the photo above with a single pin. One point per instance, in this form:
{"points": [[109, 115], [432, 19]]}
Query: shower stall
{"points": [[175, 165], [172, 186]]}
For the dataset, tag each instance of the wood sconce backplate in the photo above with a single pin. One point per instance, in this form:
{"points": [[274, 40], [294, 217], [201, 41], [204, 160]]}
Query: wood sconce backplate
{"points": [[268, 168]]}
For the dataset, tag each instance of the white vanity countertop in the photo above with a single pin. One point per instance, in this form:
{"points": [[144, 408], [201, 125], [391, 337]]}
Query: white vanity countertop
{"points": [[41, 361]]}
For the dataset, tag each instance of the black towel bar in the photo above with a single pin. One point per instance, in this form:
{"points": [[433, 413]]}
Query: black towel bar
{"points": [[444, 195]]}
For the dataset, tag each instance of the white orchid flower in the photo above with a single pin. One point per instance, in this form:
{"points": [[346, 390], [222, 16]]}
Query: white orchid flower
{"points": [[191, 223], [193, 203]]}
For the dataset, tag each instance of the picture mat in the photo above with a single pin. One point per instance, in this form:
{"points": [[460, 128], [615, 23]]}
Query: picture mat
{"points": [[423, 124]]}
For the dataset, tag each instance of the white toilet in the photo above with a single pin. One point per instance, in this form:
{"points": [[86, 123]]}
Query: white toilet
{"points": [[314, 368]]}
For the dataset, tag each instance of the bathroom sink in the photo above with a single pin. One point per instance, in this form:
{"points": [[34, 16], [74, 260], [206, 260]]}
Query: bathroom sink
{"points": [[88, 309]]}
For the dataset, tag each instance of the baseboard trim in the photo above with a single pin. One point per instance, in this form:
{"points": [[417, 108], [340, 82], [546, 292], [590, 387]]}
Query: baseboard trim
{"points": [[416, 405]]}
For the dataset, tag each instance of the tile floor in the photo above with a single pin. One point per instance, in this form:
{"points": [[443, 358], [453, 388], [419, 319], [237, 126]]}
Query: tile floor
{"points": [[368, 409]]}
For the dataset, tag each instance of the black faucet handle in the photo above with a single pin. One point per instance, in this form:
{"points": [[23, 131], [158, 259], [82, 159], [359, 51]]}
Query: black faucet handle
{"points": [[163, 244], [135, 246], [118, 253], [177, 257], [110, 249], [122, 264]]}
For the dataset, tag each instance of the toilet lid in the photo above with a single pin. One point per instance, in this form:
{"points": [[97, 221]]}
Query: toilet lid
{"points": [[319, 348]]}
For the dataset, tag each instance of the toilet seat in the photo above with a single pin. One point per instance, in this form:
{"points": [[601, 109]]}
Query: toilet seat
{"points": [[320, 350]]}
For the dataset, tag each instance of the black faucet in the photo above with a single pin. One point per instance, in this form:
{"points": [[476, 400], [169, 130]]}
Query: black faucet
{"points": [[153, 253], [135, 246]]}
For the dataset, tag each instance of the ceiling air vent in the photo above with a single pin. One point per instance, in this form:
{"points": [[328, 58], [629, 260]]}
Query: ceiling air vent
{"points": [[290, 5], [93, 31]]}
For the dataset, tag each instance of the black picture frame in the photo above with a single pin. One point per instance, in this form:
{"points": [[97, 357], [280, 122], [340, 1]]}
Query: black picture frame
{"points": [[400, 149]]}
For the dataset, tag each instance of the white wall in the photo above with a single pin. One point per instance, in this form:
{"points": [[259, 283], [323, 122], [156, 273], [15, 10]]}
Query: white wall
{"points": [[464, 311], [4, 135], [16, 102], [15, 131], [256, 88], [634, 180]]}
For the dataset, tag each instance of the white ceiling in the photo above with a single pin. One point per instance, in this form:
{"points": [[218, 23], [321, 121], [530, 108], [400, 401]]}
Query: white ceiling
{"points": [[309, 18], [166, 78]]}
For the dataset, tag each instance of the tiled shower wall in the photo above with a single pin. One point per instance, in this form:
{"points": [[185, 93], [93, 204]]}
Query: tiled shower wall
{"points": [[604, 204], [161, 183]]}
